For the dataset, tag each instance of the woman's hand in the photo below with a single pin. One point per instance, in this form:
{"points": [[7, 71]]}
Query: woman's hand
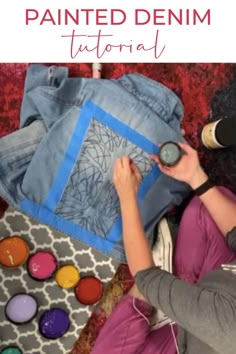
{"points": [[187, 170], [126, 178]]}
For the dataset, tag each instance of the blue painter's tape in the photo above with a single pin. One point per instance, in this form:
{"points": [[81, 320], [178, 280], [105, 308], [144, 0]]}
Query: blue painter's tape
{"points": [[51, 219], [148, 181], [93, 111]]}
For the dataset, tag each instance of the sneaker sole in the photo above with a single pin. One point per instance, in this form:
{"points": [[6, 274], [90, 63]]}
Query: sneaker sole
{"points": [[163, 249]]}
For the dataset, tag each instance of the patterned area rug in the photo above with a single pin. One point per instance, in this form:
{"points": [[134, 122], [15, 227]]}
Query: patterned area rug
{"points": [[48, 294], [206, 90]]}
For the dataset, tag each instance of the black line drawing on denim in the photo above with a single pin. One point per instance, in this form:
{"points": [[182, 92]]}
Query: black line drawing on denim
{"points": [[90, 199]]}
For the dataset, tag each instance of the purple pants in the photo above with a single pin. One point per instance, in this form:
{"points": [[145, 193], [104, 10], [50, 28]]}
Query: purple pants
{"points": [[200, 248]]}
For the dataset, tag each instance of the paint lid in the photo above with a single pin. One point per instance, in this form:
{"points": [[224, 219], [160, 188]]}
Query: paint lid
{"points": [[41, 265], [11, 350], [225, 131], [169, 153], [89, 290], [14, 251], [67, 276], [54, 323], [21, 308]]}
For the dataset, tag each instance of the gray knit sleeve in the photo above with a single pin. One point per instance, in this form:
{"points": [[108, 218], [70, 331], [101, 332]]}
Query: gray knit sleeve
{"points": [[231, 239], [205, 310]]}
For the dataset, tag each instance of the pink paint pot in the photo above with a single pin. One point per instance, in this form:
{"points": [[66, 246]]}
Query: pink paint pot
{"points": [[42, 265]]}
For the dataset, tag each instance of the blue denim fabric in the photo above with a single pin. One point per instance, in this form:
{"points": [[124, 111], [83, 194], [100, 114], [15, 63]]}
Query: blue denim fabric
{"points": [[58, 166]]}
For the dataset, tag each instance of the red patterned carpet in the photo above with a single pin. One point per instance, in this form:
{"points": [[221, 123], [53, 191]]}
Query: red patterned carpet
{"points": [[206, 90]]}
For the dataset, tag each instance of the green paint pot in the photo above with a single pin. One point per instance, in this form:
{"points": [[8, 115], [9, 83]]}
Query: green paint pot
{"points": [[11, 350]]}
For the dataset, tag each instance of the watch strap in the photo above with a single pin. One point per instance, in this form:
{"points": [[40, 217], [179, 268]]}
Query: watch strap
{"points": [[203, 188]]}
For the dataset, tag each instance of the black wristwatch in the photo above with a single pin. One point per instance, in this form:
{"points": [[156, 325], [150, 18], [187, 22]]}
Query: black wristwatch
{"points": [[203, 188]]}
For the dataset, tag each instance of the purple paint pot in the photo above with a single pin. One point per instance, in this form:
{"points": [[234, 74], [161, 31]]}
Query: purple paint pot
{"points": [[54, 323], [21, 308], [42, 265], [11, 350]]}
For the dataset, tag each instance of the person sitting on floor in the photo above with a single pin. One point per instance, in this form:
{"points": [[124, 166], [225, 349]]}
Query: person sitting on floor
{"points": [[200, 298]]}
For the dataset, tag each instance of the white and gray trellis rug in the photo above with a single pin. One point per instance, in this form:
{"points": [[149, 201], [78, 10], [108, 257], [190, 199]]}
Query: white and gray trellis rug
{"points": [[48, 294]]}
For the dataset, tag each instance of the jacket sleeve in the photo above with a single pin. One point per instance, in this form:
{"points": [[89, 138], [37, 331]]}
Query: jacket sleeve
{"points": [[204, 312], [231, 239]]}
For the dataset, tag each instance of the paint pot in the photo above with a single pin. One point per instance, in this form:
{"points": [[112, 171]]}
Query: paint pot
{"points": [[11, 350], [67, 276], [21, 308], [14, 251], [170, 153], [89, 290], [219, 134], [42, 265], [54, 323]]}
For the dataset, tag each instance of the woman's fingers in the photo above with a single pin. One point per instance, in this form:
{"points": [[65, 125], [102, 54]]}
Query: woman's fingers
{"points": [[117, 164], [136, 171], [155, 158], [187, 148], [126, 162], [166, 170]]}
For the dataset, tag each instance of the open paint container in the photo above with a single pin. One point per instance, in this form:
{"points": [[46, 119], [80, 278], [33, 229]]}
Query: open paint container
{"points": [[14, 251], [89, 290], [54, 323], [67, 276], [21, 308], [42, 265], [11, 350]]}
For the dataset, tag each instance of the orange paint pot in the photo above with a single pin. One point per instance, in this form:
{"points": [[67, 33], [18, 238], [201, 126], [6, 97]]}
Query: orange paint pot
{"points": [[14, 251]]}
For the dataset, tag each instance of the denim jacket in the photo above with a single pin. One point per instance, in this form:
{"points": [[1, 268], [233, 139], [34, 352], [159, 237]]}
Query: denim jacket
{"points": [[58, 166]]}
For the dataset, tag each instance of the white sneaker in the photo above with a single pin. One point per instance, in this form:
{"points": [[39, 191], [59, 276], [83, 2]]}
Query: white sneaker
{"points": [[162, 255]]}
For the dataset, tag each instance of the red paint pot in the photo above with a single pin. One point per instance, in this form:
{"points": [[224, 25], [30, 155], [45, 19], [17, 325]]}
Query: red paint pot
{"points": [[89, 290]]}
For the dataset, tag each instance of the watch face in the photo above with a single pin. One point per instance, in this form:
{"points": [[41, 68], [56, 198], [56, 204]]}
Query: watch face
{"points": [[169, 154]]}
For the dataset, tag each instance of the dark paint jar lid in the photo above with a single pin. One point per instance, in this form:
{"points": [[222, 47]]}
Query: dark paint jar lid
{"points": [[170, 153], [89, 290], [226, 131]]}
